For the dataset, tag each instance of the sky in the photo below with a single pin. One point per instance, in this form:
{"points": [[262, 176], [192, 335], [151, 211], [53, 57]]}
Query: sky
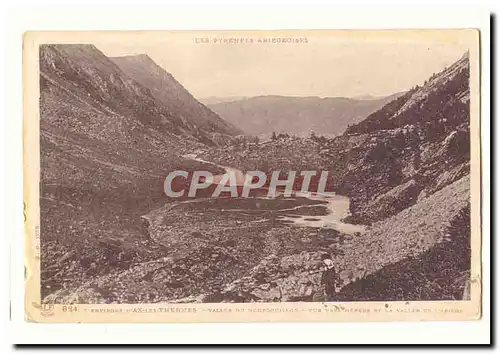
{"points": [[325, 64]]}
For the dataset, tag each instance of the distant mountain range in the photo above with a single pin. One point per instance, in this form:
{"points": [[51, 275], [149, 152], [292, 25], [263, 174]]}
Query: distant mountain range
{"points": [[296, 115]]}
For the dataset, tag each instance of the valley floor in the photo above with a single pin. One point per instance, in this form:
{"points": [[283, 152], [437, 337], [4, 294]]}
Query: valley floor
{"points": [[259, 249]]}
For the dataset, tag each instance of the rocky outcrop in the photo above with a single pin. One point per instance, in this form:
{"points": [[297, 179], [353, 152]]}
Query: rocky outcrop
{"points": [[290, 278], [410, 232], [284, 153], [393, 201]]}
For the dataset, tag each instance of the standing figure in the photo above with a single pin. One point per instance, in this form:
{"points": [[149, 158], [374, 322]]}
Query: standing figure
{"points": [[329, 278]]}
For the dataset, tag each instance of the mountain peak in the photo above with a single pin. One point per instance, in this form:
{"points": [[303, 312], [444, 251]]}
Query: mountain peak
{"points": [[136, 57], [137, 61], [166, 89]]}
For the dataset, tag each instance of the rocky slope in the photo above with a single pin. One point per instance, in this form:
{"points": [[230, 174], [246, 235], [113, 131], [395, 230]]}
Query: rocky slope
{"points": [[297, 115], [106, 143], [410, 149], [173, 95], [441, 271]]}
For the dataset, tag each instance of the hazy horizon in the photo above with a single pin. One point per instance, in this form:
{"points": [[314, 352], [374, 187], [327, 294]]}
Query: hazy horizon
{"points": [[359, 97], [343, 65]]}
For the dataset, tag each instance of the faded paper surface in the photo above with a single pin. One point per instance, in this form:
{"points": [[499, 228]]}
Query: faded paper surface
{"points": [[104, 243]]}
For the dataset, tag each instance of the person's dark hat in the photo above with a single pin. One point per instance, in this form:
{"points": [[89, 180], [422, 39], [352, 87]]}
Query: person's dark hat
{"points": [[325, 256]]}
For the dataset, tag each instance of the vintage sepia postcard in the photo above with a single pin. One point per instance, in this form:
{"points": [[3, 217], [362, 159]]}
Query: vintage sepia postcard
{"points": [[252, 176]]}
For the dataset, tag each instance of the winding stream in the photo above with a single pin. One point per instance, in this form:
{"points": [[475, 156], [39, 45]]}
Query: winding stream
{"points": [[337, 206]]}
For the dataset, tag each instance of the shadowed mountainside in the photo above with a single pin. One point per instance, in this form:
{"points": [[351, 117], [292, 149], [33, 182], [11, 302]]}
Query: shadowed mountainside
{"points": [[106, 143], [410, 148]]}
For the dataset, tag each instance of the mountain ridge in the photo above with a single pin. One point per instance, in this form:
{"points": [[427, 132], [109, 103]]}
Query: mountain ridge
{"points": [[105, 145], [165, 88]]}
